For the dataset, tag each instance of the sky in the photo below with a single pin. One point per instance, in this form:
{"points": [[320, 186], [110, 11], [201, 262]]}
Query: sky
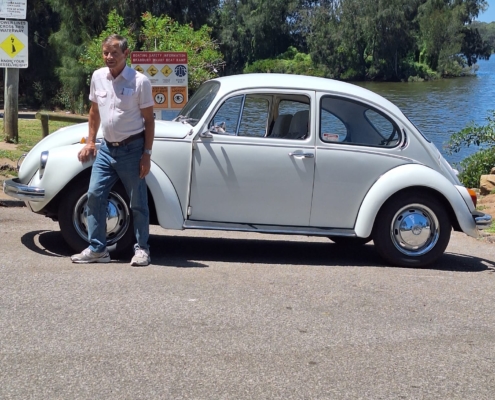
{"points": [[489, 14]]}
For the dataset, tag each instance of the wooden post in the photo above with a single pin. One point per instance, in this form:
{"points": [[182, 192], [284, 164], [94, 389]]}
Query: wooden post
{"points": [[11, 105]]}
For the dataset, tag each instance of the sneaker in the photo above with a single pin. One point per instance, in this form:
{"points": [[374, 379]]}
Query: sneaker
{"points": [[88, 256], [141, 258]]}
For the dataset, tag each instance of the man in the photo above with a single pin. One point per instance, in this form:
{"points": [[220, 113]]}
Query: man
{"points": [[121, 100]]}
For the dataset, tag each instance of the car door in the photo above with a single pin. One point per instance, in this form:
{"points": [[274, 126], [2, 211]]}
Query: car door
{"points": [[242, 174], [356, 144]]}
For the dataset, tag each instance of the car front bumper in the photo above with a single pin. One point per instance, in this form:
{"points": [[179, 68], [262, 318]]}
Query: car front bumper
{"points": [[482, 220], [13, 188]]}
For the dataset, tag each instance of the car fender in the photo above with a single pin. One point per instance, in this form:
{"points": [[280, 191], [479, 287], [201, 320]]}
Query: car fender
{"points": [[403, 177], [167, 204], [61, 167]]}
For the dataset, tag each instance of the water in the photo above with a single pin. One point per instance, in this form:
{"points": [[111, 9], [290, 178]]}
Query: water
{"points": [[446, 106]]}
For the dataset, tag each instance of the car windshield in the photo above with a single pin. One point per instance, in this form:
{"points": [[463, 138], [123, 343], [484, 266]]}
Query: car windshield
{"points": [[199, 103]]}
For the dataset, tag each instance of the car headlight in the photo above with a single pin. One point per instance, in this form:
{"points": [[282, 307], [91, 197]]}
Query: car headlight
{"points": [[43, 161]]}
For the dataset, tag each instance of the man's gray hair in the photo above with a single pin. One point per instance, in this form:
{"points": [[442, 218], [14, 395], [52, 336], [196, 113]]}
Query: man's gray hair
{"points": [[112, 38]]}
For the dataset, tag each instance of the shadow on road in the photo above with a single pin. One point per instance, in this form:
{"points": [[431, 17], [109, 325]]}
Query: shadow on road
{"points": [[197, 252]]}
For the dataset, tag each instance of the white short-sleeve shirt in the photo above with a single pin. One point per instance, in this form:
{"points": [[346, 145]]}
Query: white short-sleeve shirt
{"points": [[120, 101]]}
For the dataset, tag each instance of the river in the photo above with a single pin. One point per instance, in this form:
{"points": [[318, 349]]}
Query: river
{"points": [[443, 107]]}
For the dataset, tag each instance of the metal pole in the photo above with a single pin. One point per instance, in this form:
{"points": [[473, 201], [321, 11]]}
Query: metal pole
{"points": [[11, 105]]}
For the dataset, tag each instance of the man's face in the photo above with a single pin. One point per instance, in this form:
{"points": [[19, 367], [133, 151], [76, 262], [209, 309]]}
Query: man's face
{"points": [[114, 57]]}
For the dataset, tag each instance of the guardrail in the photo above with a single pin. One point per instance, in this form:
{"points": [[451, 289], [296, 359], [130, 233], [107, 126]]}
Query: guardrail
{"points": [[46, 116]]}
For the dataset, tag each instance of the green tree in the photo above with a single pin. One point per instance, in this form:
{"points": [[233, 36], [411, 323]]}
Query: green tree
{"points": [[250, 30], [161, 34]]}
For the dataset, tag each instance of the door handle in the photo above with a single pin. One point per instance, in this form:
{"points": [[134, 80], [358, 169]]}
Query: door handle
{"points": [[302, 155]]}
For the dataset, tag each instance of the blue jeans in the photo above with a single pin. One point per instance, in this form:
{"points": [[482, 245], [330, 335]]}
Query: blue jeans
{"points": [[112, 163]]}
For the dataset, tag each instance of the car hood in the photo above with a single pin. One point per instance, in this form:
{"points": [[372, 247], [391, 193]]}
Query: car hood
{"points": [[74, 133]]}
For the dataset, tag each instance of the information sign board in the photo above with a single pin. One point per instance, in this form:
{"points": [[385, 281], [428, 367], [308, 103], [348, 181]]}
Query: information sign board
{"points": [[13, 44], [168, 74], [13, 9]]}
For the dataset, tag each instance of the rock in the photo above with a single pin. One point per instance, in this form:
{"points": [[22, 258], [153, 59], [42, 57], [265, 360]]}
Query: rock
{"points": [[487, 184], [492, 172]]}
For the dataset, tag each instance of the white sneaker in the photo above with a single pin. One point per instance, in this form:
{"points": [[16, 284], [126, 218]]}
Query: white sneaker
{"points": [[141, 258], [88, 256]]}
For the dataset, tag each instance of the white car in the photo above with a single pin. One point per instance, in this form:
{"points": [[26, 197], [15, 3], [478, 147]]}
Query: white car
{"points": [[273, 153]]}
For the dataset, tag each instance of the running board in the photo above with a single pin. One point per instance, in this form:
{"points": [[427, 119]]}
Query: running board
{"points": [[286, 230]]}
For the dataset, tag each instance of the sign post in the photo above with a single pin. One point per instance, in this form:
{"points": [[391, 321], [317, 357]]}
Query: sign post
{"points": [[13, 55], [168, 74]]}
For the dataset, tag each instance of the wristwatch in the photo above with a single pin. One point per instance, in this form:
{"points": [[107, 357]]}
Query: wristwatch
{"points": [[147, 151]]}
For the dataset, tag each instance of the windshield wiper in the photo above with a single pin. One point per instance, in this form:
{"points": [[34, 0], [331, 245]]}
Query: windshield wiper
{"points": [[183, 118]]}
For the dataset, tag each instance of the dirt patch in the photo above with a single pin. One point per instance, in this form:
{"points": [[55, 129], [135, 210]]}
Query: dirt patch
{"points": [[486, 204], [7, 146]]}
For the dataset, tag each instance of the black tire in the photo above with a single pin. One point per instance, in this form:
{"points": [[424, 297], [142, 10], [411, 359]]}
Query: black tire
{"points": [[412, 230], [72, 220], [350, 241]]}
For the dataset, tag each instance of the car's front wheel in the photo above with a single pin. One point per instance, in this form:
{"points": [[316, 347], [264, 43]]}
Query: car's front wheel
{"points": [[72, 217], [412, 230]]}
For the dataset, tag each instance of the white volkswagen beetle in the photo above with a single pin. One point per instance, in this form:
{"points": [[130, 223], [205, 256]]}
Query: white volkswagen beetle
{"points": [[273, 153]]}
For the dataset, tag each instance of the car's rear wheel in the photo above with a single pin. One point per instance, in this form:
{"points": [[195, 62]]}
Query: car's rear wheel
{"points": [[412, 230], [72, 219]]}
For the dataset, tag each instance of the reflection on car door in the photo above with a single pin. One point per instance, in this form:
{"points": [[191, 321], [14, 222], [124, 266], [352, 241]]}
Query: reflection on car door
{"points": [[242, 176]]}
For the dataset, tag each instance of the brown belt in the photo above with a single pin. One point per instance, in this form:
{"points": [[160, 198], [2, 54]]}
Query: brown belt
{"points": [[126, 141]]}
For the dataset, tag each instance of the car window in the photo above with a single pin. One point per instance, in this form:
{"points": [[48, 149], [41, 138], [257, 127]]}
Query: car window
{"points": [[226, 118], [254, 116], [347, 121], [332, 128], [291, 107]]}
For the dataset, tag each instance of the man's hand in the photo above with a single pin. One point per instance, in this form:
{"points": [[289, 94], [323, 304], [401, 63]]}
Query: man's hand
{"points": [[87, 152], [144, 165]]}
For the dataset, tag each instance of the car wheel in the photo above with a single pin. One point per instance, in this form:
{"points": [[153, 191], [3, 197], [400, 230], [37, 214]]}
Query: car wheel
{"points": [[412, 231], [72, 219], [350, 241]]}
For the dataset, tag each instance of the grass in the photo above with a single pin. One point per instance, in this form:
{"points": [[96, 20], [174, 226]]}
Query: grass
{"points": [[30, 133]]}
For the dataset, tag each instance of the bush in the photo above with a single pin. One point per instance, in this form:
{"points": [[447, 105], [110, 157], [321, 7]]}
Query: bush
{"points": [[481, 162], [477, 164]]}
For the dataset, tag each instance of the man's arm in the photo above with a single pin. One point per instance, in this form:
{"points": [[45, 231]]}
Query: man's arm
{"points": [[89, 150], [149, 135]]}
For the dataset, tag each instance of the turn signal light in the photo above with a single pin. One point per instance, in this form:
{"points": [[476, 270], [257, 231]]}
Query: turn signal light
{"points": [[474, 196]]}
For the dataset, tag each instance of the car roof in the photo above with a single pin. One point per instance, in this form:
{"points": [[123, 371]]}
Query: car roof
{"points": [[302, 82]]}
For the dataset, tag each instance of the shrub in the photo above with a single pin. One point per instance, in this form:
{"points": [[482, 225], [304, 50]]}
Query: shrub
{"points": [[481, 162], [475, 165]]}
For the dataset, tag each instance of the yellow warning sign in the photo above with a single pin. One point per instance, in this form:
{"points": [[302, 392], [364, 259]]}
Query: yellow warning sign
{"points": [[138, 68], [178, 96], [12, 46], [152, 70], [160, 95], [166, 70]]}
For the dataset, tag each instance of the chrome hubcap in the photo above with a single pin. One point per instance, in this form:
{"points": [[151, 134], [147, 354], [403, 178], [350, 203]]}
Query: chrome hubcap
{"points": [[118, 218], [415, 230]]}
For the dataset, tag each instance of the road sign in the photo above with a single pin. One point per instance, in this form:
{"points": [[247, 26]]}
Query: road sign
{"points": [[163, 68], [178, 95], [13, 9], [168, 73], [13, 44], [160, 96]]}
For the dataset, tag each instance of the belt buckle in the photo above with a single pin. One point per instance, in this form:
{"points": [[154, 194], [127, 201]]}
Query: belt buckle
{"points": [[115, 144]]}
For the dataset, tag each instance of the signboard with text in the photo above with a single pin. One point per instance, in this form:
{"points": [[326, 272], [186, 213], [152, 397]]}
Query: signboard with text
{"points": [[13, 44], [168, 74], [13, 9]]}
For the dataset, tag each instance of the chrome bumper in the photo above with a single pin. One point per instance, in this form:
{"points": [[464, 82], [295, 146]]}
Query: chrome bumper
{"points": [[13, 188], [482, 220]]}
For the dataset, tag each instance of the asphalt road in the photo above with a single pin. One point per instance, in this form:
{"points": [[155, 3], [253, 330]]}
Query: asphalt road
{"points": [[241, 316]]}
